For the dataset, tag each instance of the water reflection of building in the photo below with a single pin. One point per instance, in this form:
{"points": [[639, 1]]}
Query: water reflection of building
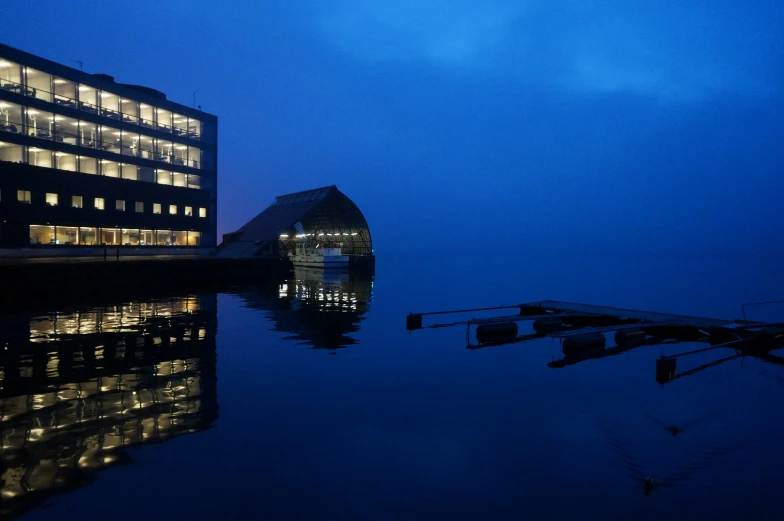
{"points": [[320, 308], [78, 388]]}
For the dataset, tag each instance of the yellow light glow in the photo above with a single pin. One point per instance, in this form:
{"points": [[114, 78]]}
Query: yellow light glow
{"points": [[59, 82]]}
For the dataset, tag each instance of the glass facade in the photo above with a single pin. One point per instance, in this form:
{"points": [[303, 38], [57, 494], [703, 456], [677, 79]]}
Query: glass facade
{"points": [[58, 118], [88, 236], [48, 126]]}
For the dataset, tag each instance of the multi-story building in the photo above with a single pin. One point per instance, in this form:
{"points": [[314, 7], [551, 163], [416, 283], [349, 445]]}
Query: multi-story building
{"points": [[86, 161]]}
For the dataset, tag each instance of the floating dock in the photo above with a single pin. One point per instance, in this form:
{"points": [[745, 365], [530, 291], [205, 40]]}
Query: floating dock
{"points": [[582, 330]]}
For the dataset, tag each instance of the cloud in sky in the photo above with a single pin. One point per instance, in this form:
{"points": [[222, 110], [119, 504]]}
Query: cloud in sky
{"points": [[457, 33], [689, 51]]}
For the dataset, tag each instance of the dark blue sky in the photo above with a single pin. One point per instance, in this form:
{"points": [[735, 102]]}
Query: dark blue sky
{"points": [[549, 123]]}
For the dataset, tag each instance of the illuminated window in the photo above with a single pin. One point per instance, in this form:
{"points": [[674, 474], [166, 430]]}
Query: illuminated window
{"points": [[88, 165], [202, 212], [10, 117], [130, 110], [10, 152], [110, 105], [41, 234], [40, 124], [130, 237], [189, 211], [10, 76], [194, 157], [146, 147], [129, 143], [180, 124], [110, 168], [164, 119], [165, 151], [65, 92], [51, 199], [38, 84], [130, 172], [172, 209], [110, 139], [163, 177], [23, 196], [88, 100], [39, 157], [194, 128], [146, 119], [156, 208], [110, 236], [119, 205], [99, 204], [163, 237], [65, 161], [76, 201], [87, 236], [139, 207], [65, 130], [88, 134], [180, 155], [67, 235]]}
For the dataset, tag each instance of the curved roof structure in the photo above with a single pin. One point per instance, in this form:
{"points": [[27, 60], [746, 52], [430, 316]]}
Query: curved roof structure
{"points": [[324, 214]]}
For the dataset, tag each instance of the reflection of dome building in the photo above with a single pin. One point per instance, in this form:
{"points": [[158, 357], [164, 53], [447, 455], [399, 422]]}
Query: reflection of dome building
{"points": [[80, 387], [320, 308]]}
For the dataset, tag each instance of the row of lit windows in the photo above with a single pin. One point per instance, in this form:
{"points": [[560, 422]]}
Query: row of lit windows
{"points": [[93, 236], [17, 119], [89, 165], [99, 203], [66, 93]]}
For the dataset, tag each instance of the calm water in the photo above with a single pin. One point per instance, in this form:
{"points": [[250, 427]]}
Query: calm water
{"points": [[307, 399]]}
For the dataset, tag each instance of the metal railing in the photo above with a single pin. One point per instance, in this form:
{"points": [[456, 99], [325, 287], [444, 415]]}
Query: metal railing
{"points": [[92, 108], [53, 132]]}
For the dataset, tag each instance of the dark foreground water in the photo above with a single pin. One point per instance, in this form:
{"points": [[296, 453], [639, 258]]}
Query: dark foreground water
{"points": [[307, 399]]}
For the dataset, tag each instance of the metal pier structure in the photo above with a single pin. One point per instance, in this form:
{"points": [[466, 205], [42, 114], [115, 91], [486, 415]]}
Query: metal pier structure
{"points": [[582, 330]]}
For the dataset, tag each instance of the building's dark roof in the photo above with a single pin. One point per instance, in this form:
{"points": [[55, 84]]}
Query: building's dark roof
{"points": [[283, 213]]}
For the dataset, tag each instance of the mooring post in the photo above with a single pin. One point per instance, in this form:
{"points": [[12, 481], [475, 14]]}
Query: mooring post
{"points": [[413, 321]]}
